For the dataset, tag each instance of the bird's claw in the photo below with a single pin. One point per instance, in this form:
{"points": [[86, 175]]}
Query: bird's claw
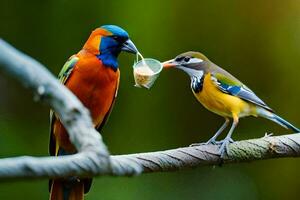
{"points": [[224, 146], [222, 141], [211, 141], [267, 135]]}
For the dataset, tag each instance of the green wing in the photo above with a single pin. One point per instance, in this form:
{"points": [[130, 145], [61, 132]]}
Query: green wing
{"points": [[63, 77], [67, 69], [227, 80], [234, 87]]}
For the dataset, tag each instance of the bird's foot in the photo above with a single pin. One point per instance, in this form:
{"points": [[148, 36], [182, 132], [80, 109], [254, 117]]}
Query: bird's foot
{"points": [[210, 141], [222, 141], [224, 146], [267, 135]]}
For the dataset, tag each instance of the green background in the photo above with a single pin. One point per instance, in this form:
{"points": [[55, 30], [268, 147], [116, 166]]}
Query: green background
{"points": [[257, 41]]}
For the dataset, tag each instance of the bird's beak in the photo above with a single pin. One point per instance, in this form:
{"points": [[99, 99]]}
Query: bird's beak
{"points": [[128, 46], [169, 63]]}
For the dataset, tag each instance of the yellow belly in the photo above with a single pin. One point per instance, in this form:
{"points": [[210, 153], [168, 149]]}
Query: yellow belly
{"points": [[221, 103]]}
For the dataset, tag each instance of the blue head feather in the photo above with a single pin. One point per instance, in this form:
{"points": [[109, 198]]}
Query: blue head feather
{"points": [[111, 46], [116, 30]]}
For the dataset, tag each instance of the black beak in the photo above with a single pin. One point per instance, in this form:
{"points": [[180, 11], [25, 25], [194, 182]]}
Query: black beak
{"points": [[128, 46]]}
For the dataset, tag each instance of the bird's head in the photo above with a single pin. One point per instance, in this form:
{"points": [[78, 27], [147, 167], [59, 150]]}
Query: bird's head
{"points": [[191, 62], [107, 42]]}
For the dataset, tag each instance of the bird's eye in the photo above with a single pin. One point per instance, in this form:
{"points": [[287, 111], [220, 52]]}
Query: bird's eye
{"points": [[186, 59], [119, 39], [178, 59]]}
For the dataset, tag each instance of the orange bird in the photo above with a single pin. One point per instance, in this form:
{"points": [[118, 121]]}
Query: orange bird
{"points": [[93, 76]]}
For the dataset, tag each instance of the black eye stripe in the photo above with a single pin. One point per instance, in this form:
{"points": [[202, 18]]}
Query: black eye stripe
{"points": [[178, 59], [187, 59], [183, 58]]}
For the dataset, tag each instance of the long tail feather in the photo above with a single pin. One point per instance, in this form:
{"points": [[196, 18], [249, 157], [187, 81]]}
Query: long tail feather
{"points": [[275, 118], [66, 190]]}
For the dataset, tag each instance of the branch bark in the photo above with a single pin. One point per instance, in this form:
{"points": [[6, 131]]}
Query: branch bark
{"points": [[160, 161], [92, 158], [190, 157], [74, 116]]}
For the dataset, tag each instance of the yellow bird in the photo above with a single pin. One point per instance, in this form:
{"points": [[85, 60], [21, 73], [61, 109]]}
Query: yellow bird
{"points": [[223, 94]]}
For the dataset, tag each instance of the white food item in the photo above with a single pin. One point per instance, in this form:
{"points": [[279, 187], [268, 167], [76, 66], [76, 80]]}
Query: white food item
{"points": [[144, 70], [143, 76]]}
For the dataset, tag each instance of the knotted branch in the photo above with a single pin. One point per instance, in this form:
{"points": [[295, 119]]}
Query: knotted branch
{"points": [[92, 158]]}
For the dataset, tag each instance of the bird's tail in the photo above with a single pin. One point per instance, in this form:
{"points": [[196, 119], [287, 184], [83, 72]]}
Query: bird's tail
{"points": [[275, 118], [62, 189]]}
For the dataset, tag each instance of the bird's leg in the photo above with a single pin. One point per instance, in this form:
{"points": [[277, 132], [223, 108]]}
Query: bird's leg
{"points": [[224, 145], [212, 140]]}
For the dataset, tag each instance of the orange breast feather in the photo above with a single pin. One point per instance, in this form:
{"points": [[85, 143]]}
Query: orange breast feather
{"points": [[95, 85]]}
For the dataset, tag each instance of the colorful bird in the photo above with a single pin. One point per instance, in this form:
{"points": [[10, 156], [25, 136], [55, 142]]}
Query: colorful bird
{"points": [[223, 94], [93, 76]]}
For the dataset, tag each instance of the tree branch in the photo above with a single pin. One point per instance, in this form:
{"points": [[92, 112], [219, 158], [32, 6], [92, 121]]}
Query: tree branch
{"points": [[92, 159], [169, 160], [189, 157], [74, 116]]}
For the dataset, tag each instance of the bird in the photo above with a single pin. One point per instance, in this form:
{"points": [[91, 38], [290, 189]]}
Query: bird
{"points": [[223, 94], [93, 76]]}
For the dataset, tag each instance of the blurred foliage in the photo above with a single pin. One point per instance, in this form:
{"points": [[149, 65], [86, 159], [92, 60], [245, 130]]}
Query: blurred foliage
{"points": [[257, 41]]}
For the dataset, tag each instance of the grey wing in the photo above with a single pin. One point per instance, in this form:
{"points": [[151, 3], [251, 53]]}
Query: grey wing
{"points": [[231, 85], [248, 95]]}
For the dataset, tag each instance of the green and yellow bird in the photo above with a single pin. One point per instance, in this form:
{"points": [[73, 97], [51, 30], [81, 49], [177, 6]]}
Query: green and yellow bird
{"points": [[221, 93]]}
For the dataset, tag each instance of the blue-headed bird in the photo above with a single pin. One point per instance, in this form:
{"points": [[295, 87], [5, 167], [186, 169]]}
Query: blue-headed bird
{"points": [[223, 94], [93, 76]]}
